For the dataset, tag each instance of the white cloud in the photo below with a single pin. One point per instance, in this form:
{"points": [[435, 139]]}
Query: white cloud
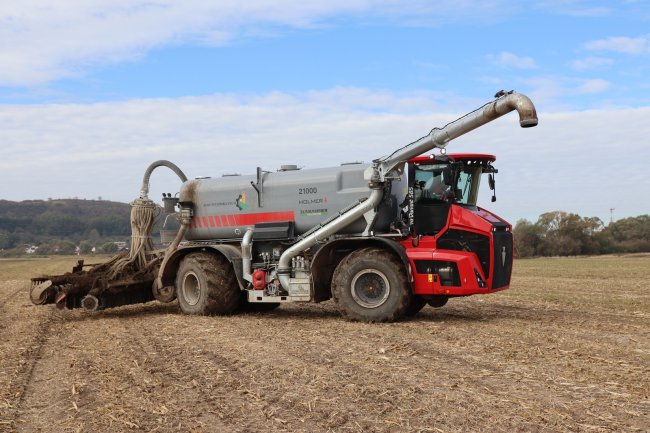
{"points": [[555, 92], [42, 42], [579, 8], [511, 60], [568, 162], [621, 44], [593, 86], [589, 63]]}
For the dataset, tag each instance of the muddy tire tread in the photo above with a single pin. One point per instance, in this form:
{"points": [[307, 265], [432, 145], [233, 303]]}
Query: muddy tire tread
{"points": [[342, 274], [223, 294]]}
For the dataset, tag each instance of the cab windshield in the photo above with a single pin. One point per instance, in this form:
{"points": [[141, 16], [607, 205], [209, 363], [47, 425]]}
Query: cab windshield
{"points": [[431, 186]]}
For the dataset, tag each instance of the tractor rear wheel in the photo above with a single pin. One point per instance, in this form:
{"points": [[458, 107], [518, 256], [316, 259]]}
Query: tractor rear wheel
{"points": [[206, 284], [369, 285]]}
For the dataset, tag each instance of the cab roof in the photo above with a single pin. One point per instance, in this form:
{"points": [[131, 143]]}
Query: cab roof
{"points": [[454, 157]]}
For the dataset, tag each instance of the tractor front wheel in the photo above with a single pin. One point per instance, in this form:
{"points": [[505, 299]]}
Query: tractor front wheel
{"points": [[370, 285]]}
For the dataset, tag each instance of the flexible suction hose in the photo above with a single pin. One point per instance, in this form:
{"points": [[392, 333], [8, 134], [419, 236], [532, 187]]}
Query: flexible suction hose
{"points": [[144, 190], [143, 213]]}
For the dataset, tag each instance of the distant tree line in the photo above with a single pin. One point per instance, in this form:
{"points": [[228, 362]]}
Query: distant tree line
{"points": [[60, 226], [561, 233]]}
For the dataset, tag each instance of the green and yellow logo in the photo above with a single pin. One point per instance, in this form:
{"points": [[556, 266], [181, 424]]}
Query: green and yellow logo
{"points": [[241, 202]]}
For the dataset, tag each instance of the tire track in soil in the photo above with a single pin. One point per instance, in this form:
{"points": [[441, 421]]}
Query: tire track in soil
{"points": [[26, 386], [248, 401], [350, 380], [462, 367], [446, 370], [251, 389], [10, 296], [275, 382], [195, 391], [305, 371], [530, 353], [195, 388], [20, 384]]}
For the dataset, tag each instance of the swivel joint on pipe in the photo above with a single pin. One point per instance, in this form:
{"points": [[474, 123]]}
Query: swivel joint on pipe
{"points": [[513, 101]]}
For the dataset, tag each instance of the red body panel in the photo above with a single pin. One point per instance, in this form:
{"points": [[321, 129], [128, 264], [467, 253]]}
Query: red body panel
{"points": [[479, 221]]}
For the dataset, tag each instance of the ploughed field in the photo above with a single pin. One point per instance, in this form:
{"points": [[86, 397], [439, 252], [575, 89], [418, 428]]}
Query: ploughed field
{"points": [[567, 348]]}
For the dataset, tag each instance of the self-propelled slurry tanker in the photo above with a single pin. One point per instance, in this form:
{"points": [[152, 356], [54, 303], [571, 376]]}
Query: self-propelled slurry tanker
{"points": [[381, 239]]}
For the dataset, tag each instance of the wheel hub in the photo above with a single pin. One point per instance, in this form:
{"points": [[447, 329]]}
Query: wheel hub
{"points": [[370, 288], [191, 288]]}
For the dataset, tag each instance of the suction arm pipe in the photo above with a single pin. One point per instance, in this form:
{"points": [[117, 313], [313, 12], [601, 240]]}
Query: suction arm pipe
{"points": [[284, 263], [439, 137], [144, 190]]}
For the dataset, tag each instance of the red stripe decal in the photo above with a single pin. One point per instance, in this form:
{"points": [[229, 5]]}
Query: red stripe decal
{"points": [[249, 219], [244, 219]]}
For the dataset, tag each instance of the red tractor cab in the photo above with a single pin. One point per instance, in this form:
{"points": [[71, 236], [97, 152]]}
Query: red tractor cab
{"points": [[455, 248]]}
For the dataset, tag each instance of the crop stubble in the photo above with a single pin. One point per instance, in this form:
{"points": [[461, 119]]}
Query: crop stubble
{"points": [[567, 348]]}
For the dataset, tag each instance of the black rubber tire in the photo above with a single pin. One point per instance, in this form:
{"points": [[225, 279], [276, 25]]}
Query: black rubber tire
{"points": [[417, 303], [438, 301], [358, 275], [206, 284]]}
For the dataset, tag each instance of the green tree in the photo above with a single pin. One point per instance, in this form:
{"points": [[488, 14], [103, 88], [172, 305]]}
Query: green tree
{"points": [[94, 236], [56, 224], [108, 248], [57, 246], [631, 235], [559, 233], [4, 240], [85, 247], [528, 238]]}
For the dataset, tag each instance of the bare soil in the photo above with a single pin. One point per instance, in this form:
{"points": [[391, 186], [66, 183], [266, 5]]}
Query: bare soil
{"points": [[567, 348]]}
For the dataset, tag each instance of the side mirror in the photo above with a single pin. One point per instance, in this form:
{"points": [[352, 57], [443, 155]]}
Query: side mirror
{"points": [[493, 186]]}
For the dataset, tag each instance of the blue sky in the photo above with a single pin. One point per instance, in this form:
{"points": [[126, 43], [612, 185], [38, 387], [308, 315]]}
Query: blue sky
{"points": [[94, 90]]}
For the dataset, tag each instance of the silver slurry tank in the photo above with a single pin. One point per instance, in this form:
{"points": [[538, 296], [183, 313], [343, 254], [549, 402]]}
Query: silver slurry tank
{"points": [[225, 207]]}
